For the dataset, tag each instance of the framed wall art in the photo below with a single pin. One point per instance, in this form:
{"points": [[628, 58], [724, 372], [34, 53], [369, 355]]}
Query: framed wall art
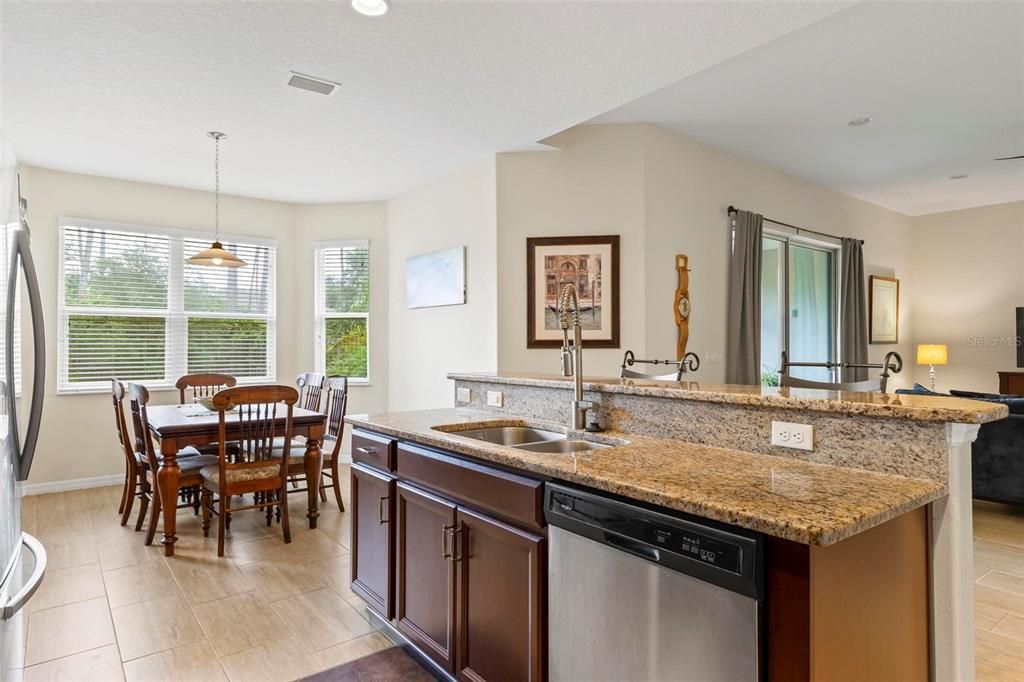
{"points": [[436, 279], [885, 309], [589, 262]]}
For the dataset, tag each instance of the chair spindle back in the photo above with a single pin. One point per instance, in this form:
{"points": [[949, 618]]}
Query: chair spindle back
{"points": [[254, 427], [194, 386], [311, 387]]}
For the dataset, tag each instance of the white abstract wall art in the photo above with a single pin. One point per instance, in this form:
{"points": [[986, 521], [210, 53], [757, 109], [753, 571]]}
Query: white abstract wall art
{"points": [[436, 279]]}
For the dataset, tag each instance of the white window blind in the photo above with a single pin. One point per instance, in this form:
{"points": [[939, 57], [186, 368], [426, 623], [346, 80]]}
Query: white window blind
{"points": [[132, 308], [343, 309]]}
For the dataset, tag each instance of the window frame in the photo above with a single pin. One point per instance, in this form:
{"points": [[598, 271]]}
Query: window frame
{"points": [[321, 315], [175, 315], [835, 251]]}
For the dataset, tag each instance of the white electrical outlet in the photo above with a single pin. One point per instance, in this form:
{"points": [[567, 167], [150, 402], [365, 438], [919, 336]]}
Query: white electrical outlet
{"points": [[796, 436], [463, 395], [715, 355], [495, 399]]}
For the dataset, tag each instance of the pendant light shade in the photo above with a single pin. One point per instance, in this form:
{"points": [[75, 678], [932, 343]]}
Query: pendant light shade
{"points": [[216, 256]]}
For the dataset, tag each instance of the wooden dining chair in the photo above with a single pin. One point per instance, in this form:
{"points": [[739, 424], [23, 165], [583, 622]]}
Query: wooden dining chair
{"points": [[148, 463], [311, 388], [336, 390], [133, 472], [255, 471], [193, 386]]}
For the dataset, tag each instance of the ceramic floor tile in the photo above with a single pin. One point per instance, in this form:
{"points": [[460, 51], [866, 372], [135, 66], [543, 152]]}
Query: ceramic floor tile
{"points": [[322, 617], [139, 583], [102, 664], [190, 663], [128, 552], [286, 659], [240, 622], [1011, 626], [987, 616], [73, 553], [68, 585], [1000, 650], [314, 546], [1007, 582], [208, 577], [276, 580], [337, 573], [65, 630], [345, 652], [153, 626]]}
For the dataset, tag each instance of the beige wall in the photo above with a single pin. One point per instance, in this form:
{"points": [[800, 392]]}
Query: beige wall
{"points": [[427, 343], [969, 275], [665, 194], [77, 438]]}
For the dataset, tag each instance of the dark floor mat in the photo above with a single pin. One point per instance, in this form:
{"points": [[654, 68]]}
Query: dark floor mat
{"points": [[384, 666]]}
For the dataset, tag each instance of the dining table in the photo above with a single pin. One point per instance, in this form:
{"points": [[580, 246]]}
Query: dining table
{"points": [[175, 426]]}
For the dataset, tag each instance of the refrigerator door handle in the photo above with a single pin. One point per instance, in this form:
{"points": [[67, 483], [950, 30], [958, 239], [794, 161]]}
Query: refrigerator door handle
{"points": [[32, 584], [22, 253]]}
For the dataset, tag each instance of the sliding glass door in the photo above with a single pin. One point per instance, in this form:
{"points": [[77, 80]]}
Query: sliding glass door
{"points": [[798, 307]]}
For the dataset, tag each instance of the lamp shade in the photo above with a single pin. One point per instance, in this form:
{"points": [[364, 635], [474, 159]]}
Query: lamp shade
{"points": [[217, 256], [932, 354]]}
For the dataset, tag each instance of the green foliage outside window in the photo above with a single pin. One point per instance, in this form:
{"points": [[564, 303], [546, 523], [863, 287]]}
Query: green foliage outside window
{"points": [[346, 347]]}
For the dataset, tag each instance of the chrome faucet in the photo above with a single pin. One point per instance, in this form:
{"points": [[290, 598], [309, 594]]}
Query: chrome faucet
{"points": [[572, 354]]}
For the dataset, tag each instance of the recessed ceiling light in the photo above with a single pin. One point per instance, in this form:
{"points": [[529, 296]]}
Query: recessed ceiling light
{"points": [[858, 122], [958, 177], [371, 8]]}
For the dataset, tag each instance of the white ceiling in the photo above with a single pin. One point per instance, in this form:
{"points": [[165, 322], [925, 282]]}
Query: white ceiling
{"points": [[129, 89], [944, 83]]}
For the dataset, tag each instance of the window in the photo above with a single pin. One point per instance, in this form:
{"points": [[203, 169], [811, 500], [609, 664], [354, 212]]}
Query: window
{"points": [[343, 309], [798, 306], [132, 308]]}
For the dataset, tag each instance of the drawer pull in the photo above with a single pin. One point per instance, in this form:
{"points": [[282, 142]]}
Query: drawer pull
{"points": [[445, 553], [456, 534], [380, 509], [366, 451]]}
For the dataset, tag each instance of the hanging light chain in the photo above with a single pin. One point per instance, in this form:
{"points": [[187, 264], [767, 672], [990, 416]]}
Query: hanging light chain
{"points": [[216, 188]]}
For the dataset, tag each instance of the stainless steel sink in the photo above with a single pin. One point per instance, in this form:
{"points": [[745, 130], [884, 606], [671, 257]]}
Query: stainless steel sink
{"points": [[563, 446], [512, 435]]}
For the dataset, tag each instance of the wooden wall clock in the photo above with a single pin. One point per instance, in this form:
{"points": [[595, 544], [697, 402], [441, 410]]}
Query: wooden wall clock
{"points": [[682, 304]]}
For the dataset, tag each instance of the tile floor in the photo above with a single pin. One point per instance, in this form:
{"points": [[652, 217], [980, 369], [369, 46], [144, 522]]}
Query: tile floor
{"points": [[111, 608], [998, 592]]}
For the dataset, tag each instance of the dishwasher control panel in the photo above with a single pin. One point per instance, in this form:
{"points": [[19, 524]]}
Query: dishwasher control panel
{"points": [[725, 556]]}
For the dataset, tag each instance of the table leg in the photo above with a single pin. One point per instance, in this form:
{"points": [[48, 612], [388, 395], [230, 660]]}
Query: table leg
{"points": [[167, 484], [313, 461]]}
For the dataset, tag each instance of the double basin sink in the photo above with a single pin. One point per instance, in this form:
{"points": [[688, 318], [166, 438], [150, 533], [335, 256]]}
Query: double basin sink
{"points": [[530, 439]]}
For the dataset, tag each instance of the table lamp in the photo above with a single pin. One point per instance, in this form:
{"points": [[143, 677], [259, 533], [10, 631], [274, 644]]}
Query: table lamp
{"points": [[932, 354]]}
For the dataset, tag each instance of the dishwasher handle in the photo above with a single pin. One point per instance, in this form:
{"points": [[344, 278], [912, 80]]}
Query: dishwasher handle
{"points": [[640, 549]]}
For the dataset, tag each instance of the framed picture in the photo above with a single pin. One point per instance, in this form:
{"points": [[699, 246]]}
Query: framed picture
{"points": [[885, 309], [436, 279], [589, 262]]}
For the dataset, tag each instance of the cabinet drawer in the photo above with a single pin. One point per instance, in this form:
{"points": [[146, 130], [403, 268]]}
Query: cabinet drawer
{"points": [[509, 495], [373, 450]]}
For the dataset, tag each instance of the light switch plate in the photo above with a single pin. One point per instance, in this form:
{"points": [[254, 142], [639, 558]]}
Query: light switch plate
{"points": [[495, 399], [463, 395], [715, 355], [790, 435]]}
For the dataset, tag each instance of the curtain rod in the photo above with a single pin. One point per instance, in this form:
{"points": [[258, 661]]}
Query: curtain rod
{"points": [[733, 209]]}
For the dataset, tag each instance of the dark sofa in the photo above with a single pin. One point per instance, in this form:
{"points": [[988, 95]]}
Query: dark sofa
{"points": [[997, 456]]}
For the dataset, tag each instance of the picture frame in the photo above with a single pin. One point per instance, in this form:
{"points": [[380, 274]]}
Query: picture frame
{"points": [[591, 262], [884, 305], [436, 279]]}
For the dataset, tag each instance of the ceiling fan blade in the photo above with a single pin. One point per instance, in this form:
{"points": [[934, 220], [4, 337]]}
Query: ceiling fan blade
{"points": [[1008, 158]]}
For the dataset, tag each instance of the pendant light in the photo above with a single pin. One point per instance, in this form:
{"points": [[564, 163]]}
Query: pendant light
{"points": [[216, 256]]}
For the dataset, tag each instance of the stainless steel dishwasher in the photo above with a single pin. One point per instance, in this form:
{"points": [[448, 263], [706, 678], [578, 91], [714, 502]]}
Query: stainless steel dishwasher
{"points": [[639, 594]]}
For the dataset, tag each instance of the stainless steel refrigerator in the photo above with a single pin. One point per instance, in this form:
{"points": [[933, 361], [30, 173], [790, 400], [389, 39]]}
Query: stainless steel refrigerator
{"points": [[22, 557]]}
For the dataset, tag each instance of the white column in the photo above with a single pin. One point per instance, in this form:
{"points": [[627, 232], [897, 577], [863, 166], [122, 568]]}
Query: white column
{"points": [[952, 563]]}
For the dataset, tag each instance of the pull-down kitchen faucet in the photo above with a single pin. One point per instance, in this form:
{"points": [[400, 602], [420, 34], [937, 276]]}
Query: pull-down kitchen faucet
{"points": [[572, 355]]}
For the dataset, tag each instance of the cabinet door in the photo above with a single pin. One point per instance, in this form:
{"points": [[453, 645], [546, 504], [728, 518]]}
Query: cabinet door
{"points": [[373, 537], [425, 590], [499, 600]]}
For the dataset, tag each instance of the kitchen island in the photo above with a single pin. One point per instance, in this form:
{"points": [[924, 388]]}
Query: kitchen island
{"points": [[862, 567]]}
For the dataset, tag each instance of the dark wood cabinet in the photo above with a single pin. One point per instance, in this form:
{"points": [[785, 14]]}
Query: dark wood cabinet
{"points": [[1011, 383], [425, 589], [373, 542], [452, 573], [500, 600]]}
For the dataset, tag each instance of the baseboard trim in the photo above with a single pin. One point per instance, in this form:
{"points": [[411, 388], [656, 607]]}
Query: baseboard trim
{"points": [[28, 489]]}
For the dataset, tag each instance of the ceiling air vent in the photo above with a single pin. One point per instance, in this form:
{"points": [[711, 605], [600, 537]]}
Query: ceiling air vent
{"points": [[317, 85]]}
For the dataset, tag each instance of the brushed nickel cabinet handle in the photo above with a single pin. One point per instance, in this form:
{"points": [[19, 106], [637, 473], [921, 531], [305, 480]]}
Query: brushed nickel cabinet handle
{"points": [[380, 509], [366, 451], [456, 534], [445, 553]]}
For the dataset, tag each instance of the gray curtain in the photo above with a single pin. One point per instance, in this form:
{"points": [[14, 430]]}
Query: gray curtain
{"points": [[743, 344], [853, 310]]}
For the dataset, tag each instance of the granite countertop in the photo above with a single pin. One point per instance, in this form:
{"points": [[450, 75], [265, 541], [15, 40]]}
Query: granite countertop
{"points": [[910, 407], [813, 504]]}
